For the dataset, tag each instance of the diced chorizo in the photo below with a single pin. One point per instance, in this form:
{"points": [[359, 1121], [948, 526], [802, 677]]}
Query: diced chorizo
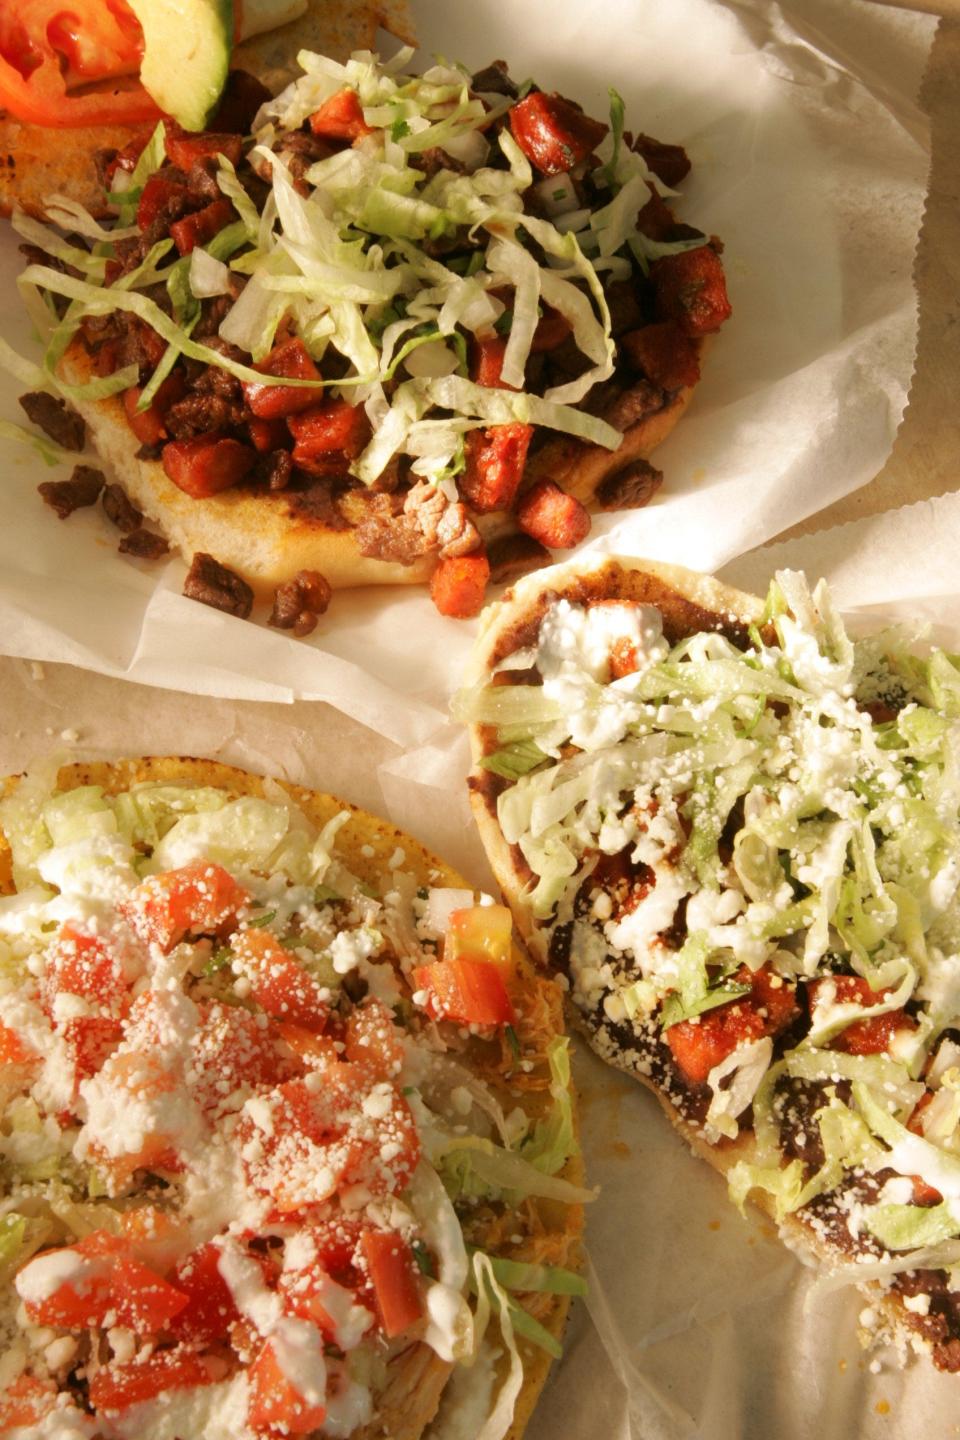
{"points": [[327, 436], [201, 226], [553, 517], [207, 464], [293, 361], [459, 583], [495, 461], [553, 133], [691, 289], [664, 353]]}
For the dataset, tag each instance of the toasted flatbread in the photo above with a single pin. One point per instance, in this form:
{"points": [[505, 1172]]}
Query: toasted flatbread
{"points": [[571, 939], [37, 161], [409, 1394], [267, 537]]}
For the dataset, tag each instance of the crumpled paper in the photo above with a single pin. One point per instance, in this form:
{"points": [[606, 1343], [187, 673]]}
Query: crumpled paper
{"points": [[810, 161]]}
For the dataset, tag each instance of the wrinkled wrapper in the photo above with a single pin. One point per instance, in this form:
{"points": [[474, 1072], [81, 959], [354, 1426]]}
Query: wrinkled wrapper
{"points": [[809, 160], [811, 165]]}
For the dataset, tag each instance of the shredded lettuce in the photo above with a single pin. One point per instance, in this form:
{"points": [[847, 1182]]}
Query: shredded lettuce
{"points": [[554, 1140]]}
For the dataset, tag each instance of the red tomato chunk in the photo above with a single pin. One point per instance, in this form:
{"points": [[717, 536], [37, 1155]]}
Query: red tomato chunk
{"points": [[393, 1273], [471, 992], [278, 982], [116, 1387], [199, 899], [184, 149], [871, 1036], [340, 117]]}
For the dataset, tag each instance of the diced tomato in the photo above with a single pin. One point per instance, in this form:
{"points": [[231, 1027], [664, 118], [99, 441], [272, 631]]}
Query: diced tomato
{"points": [[316, 1051], [553, 517], [206, 465], [278, 982], [80, 964], [470, 992], [156, 195], [211, 1309], [267, 435], [394, 1275], [91, 1039], [85, 1298], [154, 1236], [313, 1294], [624, 659], [336, 1239], [482, 932], [698, 1045], [552, 329], [340, 117], [197, 899], [13, 1050], [201, 226], [107, 1283], [458, 584], [863, 1037], [24, 1403], [142, 1299], [665, 354], [275, 1402], [329, 435], [486, 361], [553, 134], [184, 149], [495, 463], [233, 1051], [691, 289], [115, 1388], [149, 425], [271, 402], [372, 1039]]}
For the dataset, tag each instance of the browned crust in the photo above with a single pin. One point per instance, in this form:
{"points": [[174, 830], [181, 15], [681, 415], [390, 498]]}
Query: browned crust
{"points": [[416, 1376], [689, 601]]}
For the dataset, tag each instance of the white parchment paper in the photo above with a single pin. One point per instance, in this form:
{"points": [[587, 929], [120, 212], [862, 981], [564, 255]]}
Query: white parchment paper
{"points": [[810, 160]]}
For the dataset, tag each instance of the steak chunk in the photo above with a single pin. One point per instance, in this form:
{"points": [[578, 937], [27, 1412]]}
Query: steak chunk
{"points": [[120, 509], [213, 584], [143, 545], [50, 413], [80, 490], [298, 603], [631, 487]]}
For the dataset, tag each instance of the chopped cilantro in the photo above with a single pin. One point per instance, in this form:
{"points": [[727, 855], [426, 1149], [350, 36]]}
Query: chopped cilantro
{"points": [[262, 920], [399, 128], [504, 323], [512, 1041], [220, 958]]}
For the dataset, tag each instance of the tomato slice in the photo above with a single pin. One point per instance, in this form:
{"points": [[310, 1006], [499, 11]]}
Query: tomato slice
{"points": [[470, 992], [25, 1402], [211, 1309], [275, 1402], [198, 899], [394, 1276], [116, 1387], [279, 983], [42, 40]]}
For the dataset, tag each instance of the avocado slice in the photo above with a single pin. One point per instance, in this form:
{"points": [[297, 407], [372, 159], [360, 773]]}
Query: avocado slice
{"points": [[186, 55]]}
